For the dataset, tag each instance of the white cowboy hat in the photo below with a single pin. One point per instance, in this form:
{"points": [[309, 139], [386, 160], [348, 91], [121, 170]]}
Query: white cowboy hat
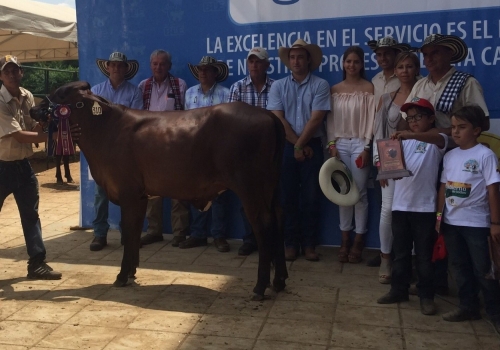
{"points": [[222, 68], [132, 65], [334, 173], [313, 49], [453, 42], [388, 42]]}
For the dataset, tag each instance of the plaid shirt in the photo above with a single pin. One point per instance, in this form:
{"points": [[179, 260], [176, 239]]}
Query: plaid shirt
{"points": [[244, 90]]}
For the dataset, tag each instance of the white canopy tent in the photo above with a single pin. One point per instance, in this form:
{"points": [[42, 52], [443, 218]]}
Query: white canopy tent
{"points": [[34, 31]]}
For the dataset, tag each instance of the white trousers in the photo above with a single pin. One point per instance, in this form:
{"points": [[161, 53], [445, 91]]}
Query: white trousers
{"points": [[349, 150], [385, 228]]}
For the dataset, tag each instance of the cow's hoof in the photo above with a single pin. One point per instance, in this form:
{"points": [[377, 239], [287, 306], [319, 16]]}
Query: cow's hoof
{"points": [[119, 283], [258, 297]]}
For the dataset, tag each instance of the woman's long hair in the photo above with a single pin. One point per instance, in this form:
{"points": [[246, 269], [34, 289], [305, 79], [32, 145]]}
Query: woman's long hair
{"points": [[360, 53]]}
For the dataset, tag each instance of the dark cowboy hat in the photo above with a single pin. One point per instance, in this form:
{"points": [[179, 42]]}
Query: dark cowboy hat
{"points": [[388, 42], [454, 43], [133, 65], [222, 68], [313, 49]]}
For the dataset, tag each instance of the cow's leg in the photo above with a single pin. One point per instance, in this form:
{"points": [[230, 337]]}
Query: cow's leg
{"points": [[260, 228], [132, 212], [280, 272]]}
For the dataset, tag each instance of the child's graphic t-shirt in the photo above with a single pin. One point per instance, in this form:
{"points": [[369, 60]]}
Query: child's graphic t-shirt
{"points": [[466, 173], [418, 193]]}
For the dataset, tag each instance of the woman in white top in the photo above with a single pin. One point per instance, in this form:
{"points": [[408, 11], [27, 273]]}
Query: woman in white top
{"points": [[407, 69], [349, 131]]}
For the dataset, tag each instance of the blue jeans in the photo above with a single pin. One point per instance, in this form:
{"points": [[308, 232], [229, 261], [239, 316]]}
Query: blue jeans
{"points": [[469, 257], [101, 209], [17, 178], [413, 229], [199, 225], [300, 194]]}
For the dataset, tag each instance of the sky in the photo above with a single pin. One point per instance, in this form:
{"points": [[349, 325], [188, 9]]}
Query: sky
{"points": [[70, 3]]}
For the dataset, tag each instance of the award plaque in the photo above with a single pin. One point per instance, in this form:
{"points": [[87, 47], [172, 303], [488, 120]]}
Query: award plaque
{"points": [[392, 164]]}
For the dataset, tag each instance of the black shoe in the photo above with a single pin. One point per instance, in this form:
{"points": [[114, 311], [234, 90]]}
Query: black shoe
{"points": [[392, 298], [375, 261], [460, 315], [150, 238], [192, 242], [247, 249], [177, 240], [98, 243], [427, 306], [42, 271], [221, 245]]}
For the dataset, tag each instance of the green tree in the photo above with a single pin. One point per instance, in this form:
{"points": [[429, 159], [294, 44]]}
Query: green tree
{"points": [[43, 78]]}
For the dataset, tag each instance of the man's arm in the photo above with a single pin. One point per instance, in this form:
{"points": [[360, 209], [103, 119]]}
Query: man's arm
{"points": [[290, 135], [312, 125], [440, 207], [36, 136]]}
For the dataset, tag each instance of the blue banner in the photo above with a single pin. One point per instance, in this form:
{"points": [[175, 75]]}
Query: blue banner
{"points": [[227, 29]]}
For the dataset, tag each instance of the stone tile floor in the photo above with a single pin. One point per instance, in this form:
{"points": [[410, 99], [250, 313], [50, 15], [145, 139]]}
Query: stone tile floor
{"points": [[198, 298]]}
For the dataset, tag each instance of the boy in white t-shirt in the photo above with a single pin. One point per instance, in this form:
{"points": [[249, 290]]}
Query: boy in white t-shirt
{"points": [[470, 196], [414, 206]]}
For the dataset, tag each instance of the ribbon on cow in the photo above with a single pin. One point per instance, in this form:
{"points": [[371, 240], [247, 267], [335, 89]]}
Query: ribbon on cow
{"points": [[64, 143]]}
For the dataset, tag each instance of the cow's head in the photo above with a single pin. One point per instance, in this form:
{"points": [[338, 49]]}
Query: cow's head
{"points": [[70, 101]]}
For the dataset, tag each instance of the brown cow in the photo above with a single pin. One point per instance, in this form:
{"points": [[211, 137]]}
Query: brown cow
{"points": [[189, 155]]}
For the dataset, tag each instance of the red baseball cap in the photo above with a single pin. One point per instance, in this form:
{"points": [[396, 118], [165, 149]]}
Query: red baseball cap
{"points": [[418, 102]]}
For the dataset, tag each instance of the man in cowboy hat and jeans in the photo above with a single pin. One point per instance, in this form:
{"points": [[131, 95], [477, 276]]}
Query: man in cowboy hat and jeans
{"points": [[385, 50], [17, 132], [445, 87], [164, 92], [254, 90], [209, 72], [115, 89], [301, 101]]}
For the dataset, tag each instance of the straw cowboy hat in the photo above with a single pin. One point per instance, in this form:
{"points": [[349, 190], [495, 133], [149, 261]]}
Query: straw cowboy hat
{"points": [[337, 184], [222, 68], [457, 45], [388, 42], [313, 49], [132, 65]]}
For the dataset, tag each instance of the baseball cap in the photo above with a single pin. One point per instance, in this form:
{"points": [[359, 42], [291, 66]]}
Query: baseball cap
{"points": [[418, 102], [260, 52], [8, 59]]}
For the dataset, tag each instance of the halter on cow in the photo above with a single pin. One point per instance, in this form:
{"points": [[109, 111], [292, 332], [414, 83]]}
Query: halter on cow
{"points": [[189, 155]]}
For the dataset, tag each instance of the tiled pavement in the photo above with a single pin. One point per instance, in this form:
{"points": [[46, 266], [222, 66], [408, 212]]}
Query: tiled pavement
{"points": [[199, 298]]}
